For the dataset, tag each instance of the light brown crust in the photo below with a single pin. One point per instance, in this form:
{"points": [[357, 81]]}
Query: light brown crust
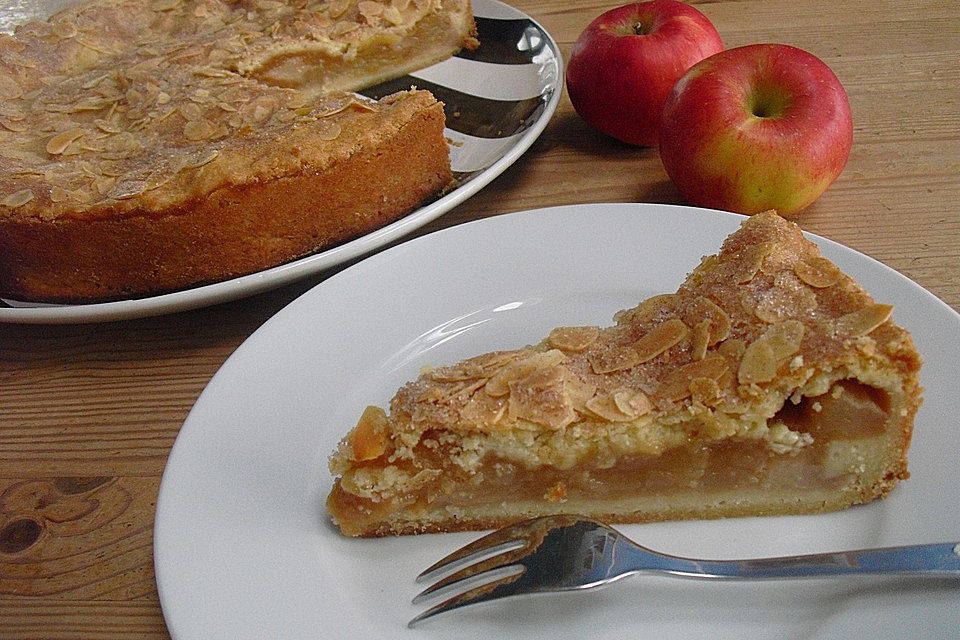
{"points": [[245, 225], [155, 120], [758, 338]]}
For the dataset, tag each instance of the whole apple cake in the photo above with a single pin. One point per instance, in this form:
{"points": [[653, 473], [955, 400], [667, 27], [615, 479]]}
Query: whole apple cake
{"points": [[769, 383], [151, 146]]}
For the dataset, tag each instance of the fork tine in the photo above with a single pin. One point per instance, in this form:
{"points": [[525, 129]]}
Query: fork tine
{"points": [[467, 579], [495, 590], [499, 541]]}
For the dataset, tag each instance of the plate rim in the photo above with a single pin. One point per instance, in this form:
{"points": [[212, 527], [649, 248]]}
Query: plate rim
{"points": [[372, 262], [313, 265]]}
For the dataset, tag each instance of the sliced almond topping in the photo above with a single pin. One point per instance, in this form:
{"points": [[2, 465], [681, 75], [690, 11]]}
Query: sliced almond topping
{"points": [[540, 397], [393, 15], [573, 339], [751, 260], [64, 29], [620, 406], [759, 364], [659, 339], [10, 89], [817, 272], [705, 391], [703, 308], [763, 357], [198, 130], [676, 385], [632, 402], [645, 309], [369, 9], [613, 359], [862, 322], [17, 198], [699, 338], [368, 440], [499, 383], [164, 5], [785, 337], [732, 349], [339, 7], [484, 410], [59, 143], [605, 407], [328, 130]]}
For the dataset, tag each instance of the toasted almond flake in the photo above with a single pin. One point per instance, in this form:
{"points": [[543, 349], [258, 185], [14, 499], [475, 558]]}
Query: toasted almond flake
{"points": [[785, 337], [342, 28], [676, 385], [17, 126], [17, 198], [65, 29], [400, 5], [732, 349], [339, 7], [104, 184], [129, 188], [368, 8], [328, 130], [393, 16], [94, 46], [705, 391], [201, 158], [190, 111], [699, 339], [58, 194], [540, 397], [499, 382], [660, 339], [164, 5], [759, 364], [10, 89], [605, 407], [573, 339], [617, 358], [864, 321], [645, 309], [818, 272], [632, 402], [59, 143], [751, 260], [198, 130], [703, 308]]}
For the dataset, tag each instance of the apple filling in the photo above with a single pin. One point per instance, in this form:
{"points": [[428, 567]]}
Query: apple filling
{"points": [[848, 428]]}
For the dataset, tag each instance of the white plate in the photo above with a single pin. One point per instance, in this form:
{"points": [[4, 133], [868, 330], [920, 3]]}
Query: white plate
{"points": [[243, 548], [513, 102]]}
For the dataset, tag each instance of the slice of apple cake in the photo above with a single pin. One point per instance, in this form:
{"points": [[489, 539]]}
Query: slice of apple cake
{"points": [[769, 383]]}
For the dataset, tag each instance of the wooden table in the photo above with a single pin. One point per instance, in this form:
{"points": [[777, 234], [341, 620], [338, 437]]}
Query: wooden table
{"points": [[88, 413]]}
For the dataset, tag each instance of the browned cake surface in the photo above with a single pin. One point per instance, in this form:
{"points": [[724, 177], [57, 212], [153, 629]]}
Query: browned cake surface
{"points": [[770, 383], [154, 121]]}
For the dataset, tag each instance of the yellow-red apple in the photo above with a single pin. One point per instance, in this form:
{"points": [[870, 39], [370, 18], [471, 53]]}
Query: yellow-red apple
{"points": [[625, 62], [765, 126]]}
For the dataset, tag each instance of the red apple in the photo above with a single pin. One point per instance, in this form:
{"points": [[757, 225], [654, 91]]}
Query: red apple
{"points": [[625, 62], [760, 127]]}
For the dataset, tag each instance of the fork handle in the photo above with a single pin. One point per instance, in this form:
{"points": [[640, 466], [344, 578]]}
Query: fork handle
{"points": [[941, 559]]}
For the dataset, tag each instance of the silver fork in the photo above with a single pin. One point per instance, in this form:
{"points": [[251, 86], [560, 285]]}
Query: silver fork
{"points": [[570, 552]]}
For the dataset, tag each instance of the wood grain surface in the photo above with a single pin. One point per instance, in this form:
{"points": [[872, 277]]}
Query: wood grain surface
{"points": [[88, 413]]}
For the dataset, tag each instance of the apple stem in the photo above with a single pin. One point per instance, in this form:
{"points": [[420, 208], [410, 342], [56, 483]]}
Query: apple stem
{"points": [[640, 29]]}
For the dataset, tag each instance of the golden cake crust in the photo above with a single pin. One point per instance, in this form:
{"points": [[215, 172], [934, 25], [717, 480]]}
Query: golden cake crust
{"points": [[762, 325], [126, 112]]}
